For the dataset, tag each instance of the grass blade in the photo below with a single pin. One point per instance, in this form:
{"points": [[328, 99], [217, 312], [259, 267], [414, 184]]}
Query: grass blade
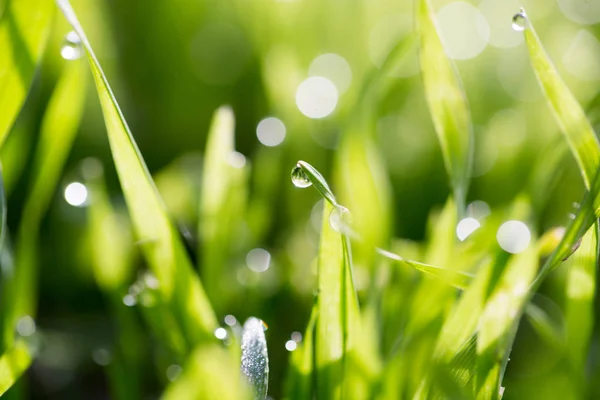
{"points": [[567, 111], [24, 29], [2, 210], [300, 378], [222, 201], [163, 248], [214, 367], [12, 365], [579, 307], [255, 360], [458, 279], [447, 104], [59, 126], [338, 316]]}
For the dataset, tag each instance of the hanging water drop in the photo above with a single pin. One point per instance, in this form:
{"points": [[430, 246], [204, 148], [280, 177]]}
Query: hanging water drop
{"points": [[299, 177], [340, 220], [71, 48], [519, 21]]}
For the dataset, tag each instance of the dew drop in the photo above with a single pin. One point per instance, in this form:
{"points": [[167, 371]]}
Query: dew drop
{"points": [[173, 372], [230, 320], [299, 177], [291, 345], [102, 357], [129, 300], [71, 48], [340, 220], [519, 21], [26, 326], [221, 333], [296, 337]]}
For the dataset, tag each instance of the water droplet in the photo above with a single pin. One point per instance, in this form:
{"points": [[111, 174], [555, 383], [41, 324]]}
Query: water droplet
{"points": [[316, 97], [340, 220], [129, 300], [573, 249], [258, 260], [296, 337], [466, 227], [173, 372], [101, 357], [513, 236], [270, 131], [71, 48], [76, 194], [519, 21], [236, 159], [299, 177], [230, 320], [221, 333], [290, 345], [26, 326]]}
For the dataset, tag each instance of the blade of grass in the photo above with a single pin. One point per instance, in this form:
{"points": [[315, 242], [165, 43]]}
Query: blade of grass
{"points": [[458, 279], [338, 318], [111, 258], [579, 307], [59, 126], [255, 360], [498, 320], [222, 202], [299, 384], [217, 372], [163, 250], [2, 209], [24, 29], [568, 113], [338, 311], [12, 365], [447, 104]]}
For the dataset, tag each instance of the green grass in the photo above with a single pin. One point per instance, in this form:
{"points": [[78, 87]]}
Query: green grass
{"points": [[154, 275]]}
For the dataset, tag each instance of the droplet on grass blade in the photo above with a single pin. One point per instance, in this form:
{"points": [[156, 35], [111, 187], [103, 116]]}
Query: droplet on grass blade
{"points": [[519, 21], [299, 177], [340, 220], [71, 48], [255, 360]]}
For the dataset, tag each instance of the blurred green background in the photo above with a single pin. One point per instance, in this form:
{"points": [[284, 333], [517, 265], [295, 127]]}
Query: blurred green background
{"points": [[172, 63]]}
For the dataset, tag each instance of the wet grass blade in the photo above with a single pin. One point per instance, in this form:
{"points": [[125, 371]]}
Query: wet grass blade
{"points": [[59, 127], [255, 360], [447, 104], [12, 365], [338, 311], [24, 29], [338, 318], [568, 113], [162, 246]]}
